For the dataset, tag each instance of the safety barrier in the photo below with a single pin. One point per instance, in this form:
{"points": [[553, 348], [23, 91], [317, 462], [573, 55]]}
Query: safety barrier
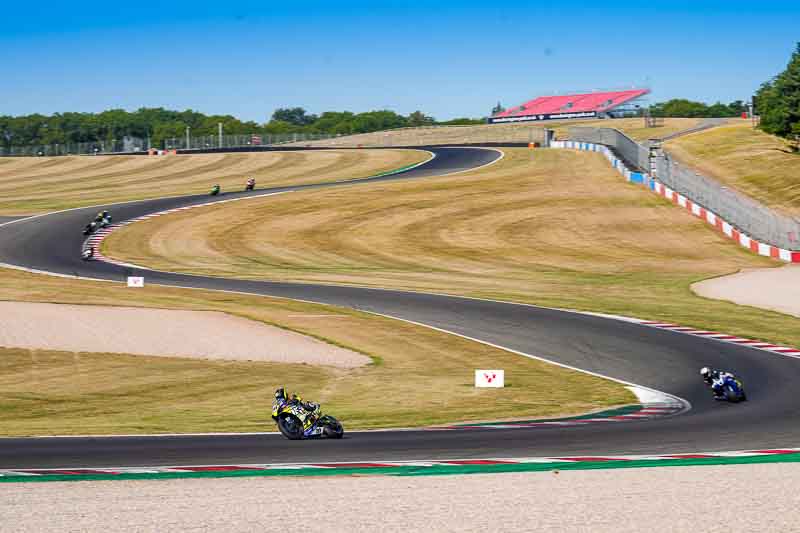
{"points": [[696, 209], [741, 211]]}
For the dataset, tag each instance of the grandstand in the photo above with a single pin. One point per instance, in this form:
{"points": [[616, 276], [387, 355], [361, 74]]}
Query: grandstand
{"points": [[606, 104]]}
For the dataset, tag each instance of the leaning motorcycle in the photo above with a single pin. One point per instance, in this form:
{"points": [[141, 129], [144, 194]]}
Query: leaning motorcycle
{"points": [[95, 225], [90, 228], [296, 423], [733, 389]]}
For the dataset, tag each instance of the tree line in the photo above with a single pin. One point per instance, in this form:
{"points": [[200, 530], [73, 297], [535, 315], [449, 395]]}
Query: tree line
{"points": [[679, 107], [778, 101], [158, 125]]}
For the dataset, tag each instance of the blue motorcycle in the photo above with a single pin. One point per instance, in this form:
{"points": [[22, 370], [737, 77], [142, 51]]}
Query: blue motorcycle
{"points": [[730, 389]]}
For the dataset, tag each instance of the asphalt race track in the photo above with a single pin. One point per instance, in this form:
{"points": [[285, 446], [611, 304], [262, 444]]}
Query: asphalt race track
{"points": [[659, 359]]}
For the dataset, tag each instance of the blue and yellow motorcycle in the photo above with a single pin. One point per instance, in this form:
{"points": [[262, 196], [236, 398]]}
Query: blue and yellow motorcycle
{"points": [[296, 422]]}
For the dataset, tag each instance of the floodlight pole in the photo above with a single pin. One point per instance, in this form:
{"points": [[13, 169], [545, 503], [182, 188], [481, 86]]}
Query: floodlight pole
{"points": [[188, 145], [220, 134]]}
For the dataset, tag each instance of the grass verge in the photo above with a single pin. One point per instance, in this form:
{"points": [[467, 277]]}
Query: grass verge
{"points": [[756, 163], [420, 376], [504, 133], [36, 185], [554, 228]]}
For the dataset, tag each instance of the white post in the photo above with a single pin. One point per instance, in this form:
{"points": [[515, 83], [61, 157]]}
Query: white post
{"points": [[188, 145], [220, 134]]}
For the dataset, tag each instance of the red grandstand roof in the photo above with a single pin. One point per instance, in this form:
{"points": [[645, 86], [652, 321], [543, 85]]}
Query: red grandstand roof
{"points": [[573, 103]]}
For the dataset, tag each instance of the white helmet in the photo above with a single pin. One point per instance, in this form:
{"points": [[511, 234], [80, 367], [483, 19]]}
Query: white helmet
{"points": [[705, 371]]}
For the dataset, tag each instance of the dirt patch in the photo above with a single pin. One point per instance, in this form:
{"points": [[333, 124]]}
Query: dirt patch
{"points": [[776, 289], [161, 332]]}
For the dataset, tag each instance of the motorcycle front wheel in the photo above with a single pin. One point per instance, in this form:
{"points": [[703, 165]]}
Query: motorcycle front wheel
{"points": [[731, 395]]}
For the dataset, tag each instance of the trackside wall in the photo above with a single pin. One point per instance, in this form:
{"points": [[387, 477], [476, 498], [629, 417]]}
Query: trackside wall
{"points": [[646, 180], [744, 213]]}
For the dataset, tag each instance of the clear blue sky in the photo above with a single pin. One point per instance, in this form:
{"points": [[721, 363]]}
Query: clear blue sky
{"points": [[447, 58]]}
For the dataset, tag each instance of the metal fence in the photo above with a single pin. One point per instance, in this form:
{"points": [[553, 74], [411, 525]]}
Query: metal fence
{"points": [[428, 136], [417, 136], [134, 144], [127, 145], [633, 153], [742, 212], [205, 142]]}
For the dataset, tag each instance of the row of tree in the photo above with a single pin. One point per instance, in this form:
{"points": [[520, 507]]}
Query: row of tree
{"points": [[778, 101], [158, 124], [155, 123], [678, 107]]}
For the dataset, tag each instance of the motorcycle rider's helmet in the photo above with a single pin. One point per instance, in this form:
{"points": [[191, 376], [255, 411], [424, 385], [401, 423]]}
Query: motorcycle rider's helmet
{"points": [[105, 214], [705, 372], [280, 394]]}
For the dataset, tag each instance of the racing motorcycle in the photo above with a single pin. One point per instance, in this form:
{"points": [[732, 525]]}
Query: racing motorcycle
{"points": [[251, 184], [215, 190], [90, 228], [296, 422], [95, 225], [732, 389]]}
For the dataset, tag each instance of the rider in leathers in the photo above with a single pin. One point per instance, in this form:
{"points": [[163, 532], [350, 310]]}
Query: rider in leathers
{"points": [[715, 379], [295, 399]]}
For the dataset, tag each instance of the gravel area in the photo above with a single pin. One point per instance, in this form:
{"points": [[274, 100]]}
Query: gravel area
{"points": [[758, 497], [161, 332], [777, 289]]}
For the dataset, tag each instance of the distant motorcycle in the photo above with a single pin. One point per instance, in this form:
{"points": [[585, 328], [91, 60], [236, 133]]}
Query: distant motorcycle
{"points": [[251, 184], [295, 422], [90, 228], [95, 225], [215, 190]]}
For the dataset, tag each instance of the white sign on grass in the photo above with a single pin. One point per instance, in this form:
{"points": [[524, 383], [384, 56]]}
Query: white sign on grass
{"points": [[490, 378], [135, 281]]}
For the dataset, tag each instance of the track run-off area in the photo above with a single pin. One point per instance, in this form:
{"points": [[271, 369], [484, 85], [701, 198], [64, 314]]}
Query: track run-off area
{"points": [[662, 359]]}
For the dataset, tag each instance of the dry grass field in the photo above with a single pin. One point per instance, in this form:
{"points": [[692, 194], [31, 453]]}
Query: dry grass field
{"points": [[50, 392], [517, 132], [31, 185], [556, 228], [757, 164]]}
